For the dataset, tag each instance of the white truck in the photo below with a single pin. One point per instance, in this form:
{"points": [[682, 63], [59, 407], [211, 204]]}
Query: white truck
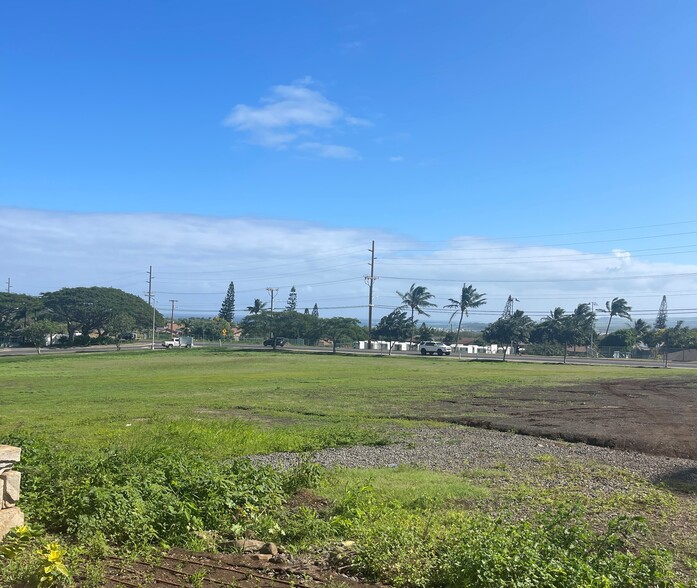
{"points": [[178, 342], [434, 347]]}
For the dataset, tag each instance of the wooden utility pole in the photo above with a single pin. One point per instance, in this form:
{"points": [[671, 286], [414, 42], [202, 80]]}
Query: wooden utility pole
{"points": [[272, 291], [171, 323], [150, 286], [370, 280]]}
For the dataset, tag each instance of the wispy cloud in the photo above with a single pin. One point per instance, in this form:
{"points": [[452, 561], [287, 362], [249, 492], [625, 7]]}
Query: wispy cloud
{"points": [[290, 115], [330, 151]]}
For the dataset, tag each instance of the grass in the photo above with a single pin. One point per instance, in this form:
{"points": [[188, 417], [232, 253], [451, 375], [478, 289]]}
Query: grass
{"points": [[116, 428], [406, 485], [227, 404]]}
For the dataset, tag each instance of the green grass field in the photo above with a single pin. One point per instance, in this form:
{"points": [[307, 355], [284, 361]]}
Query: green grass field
{"points": [[227, 403], [133, 448]]}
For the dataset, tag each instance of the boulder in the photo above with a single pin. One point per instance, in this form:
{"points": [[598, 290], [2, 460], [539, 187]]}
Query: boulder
{"points": [[9, 488], [9, 519]]}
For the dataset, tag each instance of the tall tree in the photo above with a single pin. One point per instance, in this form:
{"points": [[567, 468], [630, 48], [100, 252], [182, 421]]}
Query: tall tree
{"points": [[416, 298], [92, 309], [292, 303], [227, 309], [315, 310], [257, 308], [509, 331], [469, 298], [642, 329], [38, 332], [616, 307], [339, 328], [16, 311], [394, 327], [662, 316]]}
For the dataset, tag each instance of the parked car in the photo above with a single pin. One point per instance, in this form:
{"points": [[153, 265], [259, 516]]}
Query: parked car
{"points": [[280, 342], [434, 347]]}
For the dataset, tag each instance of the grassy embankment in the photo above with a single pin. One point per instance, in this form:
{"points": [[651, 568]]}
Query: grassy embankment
{"points": [[139, 431]]}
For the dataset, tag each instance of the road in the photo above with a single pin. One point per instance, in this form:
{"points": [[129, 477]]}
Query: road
{"points": [[140, 346]]}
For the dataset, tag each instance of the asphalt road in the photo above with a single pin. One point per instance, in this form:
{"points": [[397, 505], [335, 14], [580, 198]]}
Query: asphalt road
{"points": [[140, 346]]}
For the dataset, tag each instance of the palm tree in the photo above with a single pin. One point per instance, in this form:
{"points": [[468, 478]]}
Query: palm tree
{"points": [[617, 307], [257, 307], [417, 298], [642, 329], [469, 298]]}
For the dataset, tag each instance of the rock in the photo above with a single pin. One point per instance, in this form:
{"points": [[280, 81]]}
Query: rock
{"points": [[261, 556], [10, 453], [269, 548], [249, 545], [9, 519], [9, 488]]}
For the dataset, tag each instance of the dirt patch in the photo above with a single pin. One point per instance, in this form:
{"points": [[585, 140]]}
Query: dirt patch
{"points": [[182, 568], [655, 416]]}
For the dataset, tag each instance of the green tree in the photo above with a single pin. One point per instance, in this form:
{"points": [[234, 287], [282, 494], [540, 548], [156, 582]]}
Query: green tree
{"points": [[338, 329], [662, 316], [425, 333], [38, 332], [211, 329], [16, 311], [512, 331], [256, 324], [620, 338], [91, 309], [119, 325], [584, 317], [642, 330], [257, 308], [227, 309], [680, 336], [616, 307], [416, 298], [394, 327], [469, 298], [292, 303]]}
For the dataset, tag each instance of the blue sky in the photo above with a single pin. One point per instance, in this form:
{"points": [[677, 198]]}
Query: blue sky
{"points": [[503, 144]]}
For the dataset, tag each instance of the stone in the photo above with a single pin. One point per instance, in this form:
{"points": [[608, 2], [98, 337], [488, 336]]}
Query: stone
{"points": [[9, 487], [9, 519], [269, 548], [261, 556], [10, 453], [249, 545]]}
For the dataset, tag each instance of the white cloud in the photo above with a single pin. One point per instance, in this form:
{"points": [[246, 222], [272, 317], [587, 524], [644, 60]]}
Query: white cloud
{"points": [[396, 158], [289, 113], [195, 257], [329, 151]]}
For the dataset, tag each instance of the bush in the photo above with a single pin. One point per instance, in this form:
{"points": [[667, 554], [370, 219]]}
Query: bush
{"points": [[137, 497]]}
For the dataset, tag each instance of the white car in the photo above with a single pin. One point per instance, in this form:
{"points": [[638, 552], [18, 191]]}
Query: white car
{"points": [[434, 347]]}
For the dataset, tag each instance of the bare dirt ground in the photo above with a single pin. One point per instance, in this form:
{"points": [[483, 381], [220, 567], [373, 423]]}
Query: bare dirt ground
{"points": [[655, 416]]}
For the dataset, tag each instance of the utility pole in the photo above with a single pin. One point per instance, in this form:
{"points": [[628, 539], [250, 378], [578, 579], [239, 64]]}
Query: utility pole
{"points": [[593, 305], [370, 280], [171, 324], [150, 286], [272, 291], [8, 285]]}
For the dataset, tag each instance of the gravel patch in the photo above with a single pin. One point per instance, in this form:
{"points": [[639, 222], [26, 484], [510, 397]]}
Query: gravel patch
{"points": [[458, 449]]}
